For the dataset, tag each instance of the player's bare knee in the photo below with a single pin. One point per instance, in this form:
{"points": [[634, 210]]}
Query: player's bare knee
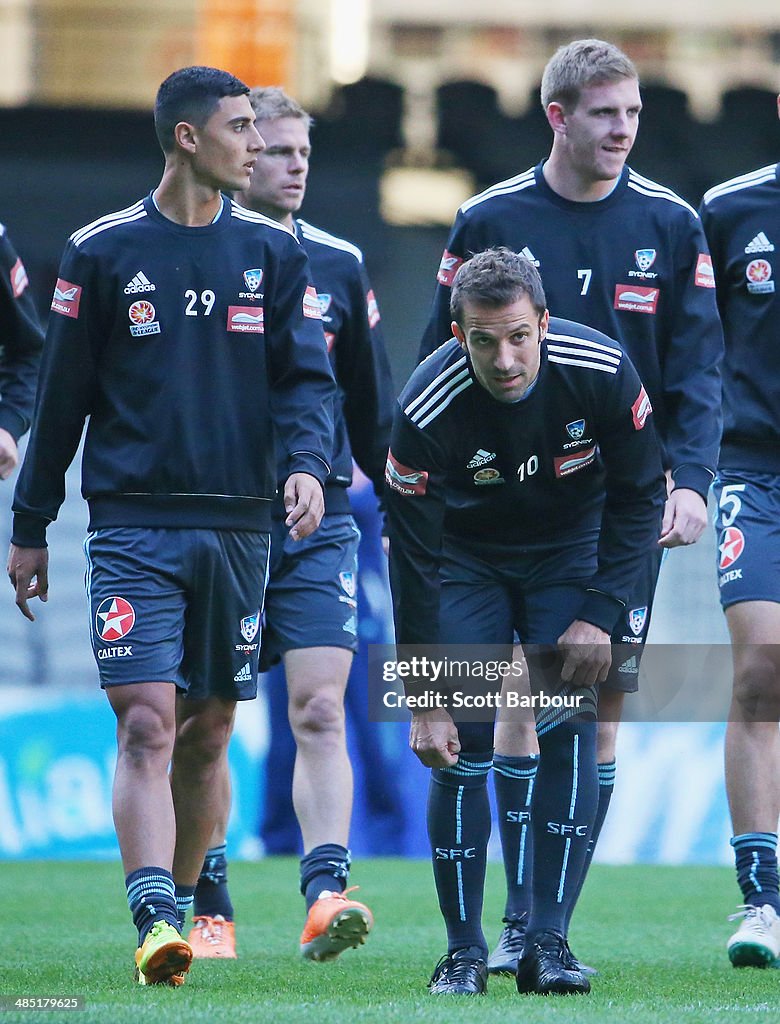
{"points": [[144, 735], [757, 687], [320, 717]]}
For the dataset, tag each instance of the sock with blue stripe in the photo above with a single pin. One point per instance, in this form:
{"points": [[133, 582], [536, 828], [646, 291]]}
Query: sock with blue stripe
{"points": [[606, 772], [326, 867], [211, 893], [757, 875], [150, 896], [458, 830], [562, 814], [513, 782], [184, 896]]}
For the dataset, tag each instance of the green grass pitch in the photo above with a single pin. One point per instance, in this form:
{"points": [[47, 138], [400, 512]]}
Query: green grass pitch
{"points": [[656, 934]]}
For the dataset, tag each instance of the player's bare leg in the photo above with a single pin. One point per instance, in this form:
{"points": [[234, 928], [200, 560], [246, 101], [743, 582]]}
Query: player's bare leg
{"points": [[146, 826], [322, 780], [146, 729], [753, 776], [197, 778], [322, 797], [213, 933]]}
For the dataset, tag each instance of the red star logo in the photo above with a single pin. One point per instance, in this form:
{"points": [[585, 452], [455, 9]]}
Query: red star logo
{"points": [[114, 618], [732, 544]]}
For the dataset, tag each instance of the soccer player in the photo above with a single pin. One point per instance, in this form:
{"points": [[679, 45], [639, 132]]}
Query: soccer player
{"points": [[742, 221], [20, 353], [160, 334], [628, 257], [505, 515], [310, 609]]}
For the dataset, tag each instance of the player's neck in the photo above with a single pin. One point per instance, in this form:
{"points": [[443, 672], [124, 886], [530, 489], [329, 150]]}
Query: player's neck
{"points": [[567, 182], [192, 204]]}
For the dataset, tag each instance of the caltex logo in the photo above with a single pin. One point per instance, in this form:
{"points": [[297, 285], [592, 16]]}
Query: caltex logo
{"points": [[732, 544], [114, 619]]}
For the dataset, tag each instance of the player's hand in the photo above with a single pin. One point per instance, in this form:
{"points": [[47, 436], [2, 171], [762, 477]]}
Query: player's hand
{"points": [[304, 504], [9, 454], [28, 571], [587, 654], [685, 517], [434, 738]]}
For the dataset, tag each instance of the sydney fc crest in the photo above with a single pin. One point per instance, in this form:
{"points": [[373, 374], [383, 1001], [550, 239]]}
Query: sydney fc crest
{"points": [[253, 279], [645, 258], [636, 619], [575, 429], [250, 626]]}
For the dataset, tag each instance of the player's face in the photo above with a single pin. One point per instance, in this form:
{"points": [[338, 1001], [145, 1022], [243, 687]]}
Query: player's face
{"points": [[503, 344], [279, 182], [601, 129], [227, 145]]}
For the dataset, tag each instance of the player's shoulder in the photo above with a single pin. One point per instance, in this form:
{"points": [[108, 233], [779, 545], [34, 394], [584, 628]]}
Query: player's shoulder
{"points": [[106, 228], [663, 199], [241, 216], [435, 384], [486, 202], [338, 249], [743, 187], [579, 349]]}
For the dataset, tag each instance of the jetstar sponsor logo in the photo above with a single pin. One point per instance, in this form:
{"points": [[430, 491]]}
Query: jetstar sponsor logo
{"points": [[19, 279], [705, 275], [245, 319], [311, 304], [732, 544], [67, 298], [404, 479], [641, 409], [636, 299], [372, 308], [448, 268], [567, 464]]}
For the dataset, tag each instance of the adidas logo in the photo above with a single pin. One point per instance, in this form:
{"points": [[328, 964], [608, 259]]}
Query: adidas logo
{"points": [[140, 283], [759, 244], [480, 458], [629, 666], [244, 676], [525, 251]]}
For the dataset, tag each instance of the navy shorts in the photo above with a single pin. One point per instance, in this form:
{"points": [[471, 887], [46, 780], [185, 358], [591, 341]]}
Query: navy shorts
{"points": [[311, 598], [177, 605], [747, 526], [630, 633], [489, 593]]}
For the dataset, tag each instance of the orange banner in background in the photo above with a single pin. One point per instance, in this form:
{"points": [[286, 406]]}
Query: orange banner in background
{"points": [[253, 39]]}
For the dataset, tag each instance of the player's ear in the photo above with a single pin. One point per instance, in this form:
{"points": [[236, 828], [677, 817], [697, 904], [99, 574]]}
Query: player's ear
{"points": [[556, 117], [458, 334], [184, 134], [544, 323]]}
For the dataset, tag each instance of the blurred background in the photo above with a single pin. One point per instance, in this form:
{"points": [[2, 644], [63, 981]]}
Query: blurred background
{"points": [[417, 105]]}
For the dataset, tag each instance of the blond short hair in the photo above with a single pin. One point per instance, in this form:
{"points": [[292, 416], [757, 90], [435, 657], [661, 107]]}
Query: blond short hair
{"points": [[579, 64]]}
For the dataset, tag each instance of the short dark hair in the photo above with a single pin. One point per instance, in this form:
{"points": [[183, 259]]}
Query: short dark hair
{"points": [[496, 277], [191, 94]]}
